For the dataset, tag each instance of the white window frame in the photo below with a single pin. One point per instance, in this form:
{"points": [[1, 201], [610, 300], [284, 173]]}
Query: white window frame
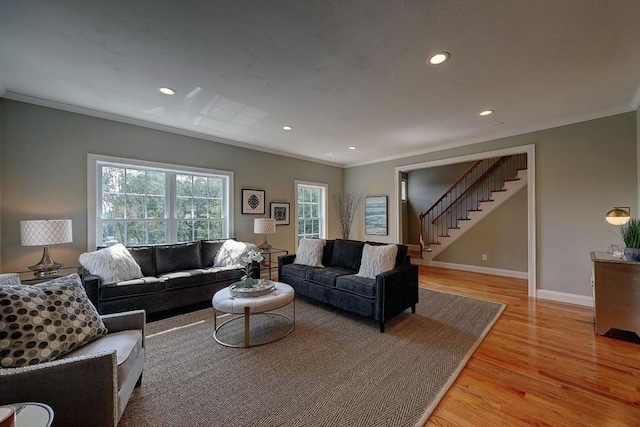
{"points": [[323, 207], [93, 160]]}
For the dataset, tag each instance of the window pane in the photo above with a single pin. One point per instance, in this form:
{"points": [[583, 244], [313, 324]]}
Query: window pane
{"points": [[156, 232], [155, 207], [215, 208], [201, 230], [200, 186], [183, 185], [112, 233], [156, 183], [200, 208], [135, 233], [112, 206], [185, 231], [215, 187], [183, 207], [135, 207], [112, 179], [216, 230], [136, 181]]}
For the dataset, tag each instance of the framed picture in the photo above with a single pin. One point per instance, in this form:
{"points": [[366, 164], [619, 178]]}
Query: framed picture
{"points": [[375, 215], [280, 212], [252, 201]]}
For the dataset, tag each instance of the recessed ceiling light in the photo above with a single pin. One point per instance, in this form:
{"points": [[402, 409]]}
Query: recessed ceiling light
{"points": [[438, 58], [485, 112], [167, 91], [353, 147], [287, 127]]}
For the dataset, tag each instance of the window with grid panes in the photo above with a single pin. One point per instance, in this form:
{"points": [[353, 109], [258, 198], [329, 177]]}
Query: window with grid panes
{"points": [[311, 210]]}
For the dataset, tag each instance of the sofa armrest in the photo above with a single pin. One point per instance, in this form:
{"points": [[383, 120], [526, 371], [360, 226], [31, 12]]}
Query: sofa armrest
{"points": [[116, 322], [70, 387], [396, 290], [91, 284], [284, 260]]}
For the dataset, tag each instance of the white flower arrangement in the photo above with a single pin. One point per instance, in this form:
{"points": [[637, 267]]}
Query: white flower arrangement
{"points": [[252, 256]]}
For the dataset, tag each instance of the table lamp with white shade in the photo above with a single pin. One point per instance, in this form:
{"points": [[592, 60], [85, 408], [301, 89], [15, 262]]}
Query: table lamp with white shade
{"points": [[45, 233], [264, 226]]}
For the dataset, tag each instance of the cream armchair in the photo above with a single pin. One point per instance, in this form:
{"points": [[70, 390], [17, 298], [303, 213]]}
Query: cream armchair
{"points": [[91, 385]]}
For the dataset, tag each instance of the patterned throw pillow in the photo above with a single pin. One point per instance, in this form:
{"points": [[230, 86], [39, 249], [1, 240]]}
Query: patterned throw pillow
{"points": [[377, 259], [310, 252], [9, 279], [112, 264], [43, 322]]}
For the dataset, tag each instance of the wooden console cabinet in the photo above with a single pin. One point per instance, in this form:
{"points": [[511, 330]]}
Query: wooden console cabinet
{"points": [[616, 293]]}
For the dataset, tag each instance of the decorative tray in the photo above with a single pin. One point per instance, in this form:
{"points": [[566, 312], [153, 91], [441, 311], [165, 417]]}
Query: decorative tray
{"points": [[262, 287]]}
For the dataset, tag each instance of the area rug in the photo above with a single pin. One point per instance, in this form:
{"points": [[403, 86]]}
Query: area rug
{"points": [[334, 369]]}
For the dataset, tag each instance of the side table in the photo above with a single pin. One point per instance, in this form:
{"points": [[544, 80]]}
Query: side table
{"points": [[27, 277], [267, 264]]}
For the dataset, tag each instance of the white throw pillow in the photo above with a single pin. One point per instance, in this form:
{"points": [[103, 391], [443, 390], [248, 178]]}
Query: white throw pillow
{"points": [[377, 259], [310, 252], [8, 279], [112, 264], [231, 253]]}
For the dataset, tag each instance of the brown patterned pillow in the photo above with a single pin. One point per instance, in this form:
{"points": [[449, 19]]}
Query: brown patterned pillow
{"points": [[43, 322]]}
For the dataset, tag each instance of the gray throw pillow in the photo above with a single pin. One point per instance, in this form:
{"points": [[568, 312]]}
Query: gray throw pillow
{"points": [[43, 322]]}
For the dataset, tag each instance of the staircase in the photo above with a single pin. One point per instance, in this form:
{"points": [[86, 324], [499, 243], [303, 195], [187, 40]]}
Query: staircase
{"points": [[484, 187]]}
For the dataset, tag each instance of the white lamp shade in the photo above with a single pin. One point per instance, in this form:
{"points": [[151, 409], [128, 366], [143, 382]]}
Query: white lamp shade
{"points": [[44, 232], [264, 226]]}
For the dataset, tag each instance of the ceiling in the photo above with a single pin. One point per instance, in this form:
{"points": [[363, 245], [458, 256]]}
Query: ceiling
{"points": [[341, 72]]}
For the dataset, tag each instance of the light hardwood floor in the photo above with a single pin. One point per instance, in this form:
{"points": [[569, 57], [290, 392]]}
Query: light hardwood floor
{"points": [[540, 365]]}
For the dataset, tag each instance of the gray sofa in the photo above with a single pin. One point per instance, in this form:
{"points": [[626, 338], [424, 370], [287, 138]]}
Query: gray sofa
{"points": [[89, 386], [175, 275], [336, 283]]}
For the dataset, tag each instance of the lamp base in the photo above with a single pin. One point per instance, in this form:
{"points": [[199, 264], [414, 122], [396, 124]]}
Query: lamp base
{"points": [[47, 266], [265, 246]]}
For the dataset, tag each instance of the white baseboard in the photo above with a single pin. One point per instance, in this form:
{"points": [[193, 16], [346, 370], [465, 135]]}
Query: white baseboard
{"points": [[476, 269], [565, 297]]}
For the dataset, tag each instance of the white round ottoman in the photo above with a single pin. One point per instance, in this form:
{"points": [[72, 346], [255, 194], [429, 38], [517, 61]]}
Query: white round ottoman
{"points": [[224, 302]]}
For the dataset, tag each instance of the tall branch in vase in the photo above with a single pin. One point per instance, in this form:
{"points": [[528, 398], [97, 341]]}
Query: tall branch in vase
{"points": [[346, 205]]}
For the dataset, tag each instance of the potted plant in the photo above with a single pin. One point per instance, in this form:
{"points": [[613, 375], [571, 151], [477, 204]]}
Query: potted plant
{"points": [[630, 233]]}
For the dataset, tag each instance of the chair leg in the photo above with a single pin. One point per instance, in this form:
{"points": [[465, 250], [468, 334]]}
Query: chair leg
{"points": [[139, 383]]}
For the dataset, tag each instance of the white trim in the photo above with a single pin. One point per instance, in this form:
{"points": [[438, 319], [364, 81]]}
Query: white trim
{"points": [[565, 297], [529, 150], [483, 270], [324, 232], [92, 202]]}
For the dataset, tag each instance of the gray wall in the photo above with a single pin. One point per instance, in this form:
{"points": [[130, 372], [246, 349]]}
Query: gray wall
{"points": [[582, 170], [425, 187], [502, 236], [43, 174]]}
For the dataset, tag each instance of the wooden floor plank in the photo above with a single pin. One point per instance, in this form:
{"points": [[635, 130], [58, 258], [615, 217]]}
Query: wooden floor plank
{"points": [[540, 365]]}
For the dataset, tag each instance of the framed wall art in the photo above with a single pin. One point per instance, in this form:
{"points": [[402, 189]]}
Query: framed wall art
{"points": [[375, 215], [280, 212], [252, 201]]}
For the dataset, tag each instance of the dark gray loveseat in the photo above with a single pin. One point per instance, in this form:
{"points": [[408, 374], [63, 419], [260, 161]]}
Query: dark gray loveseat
{"points": [[380, 299], [175, 275]]}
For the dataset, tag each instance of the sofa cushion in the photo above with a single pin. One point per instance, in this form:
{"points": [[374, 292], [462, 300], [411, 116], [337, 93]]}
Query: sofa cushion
{"points": [[144, 258], [310, 252], [112, 264], [347, 254], [44, 322], [357, 285], [224, 274], [182, 256], [186, 278], [326, 276], [210, 249], [377, 259], [128, 288], [127, 345]]}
